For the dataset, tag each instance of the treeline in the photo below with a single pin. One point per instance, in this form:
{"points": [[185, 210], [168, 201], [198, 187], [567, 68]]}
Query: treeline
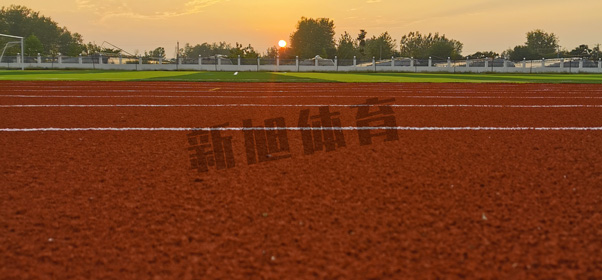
{"points": [[541, 44], [221, 48], [311, 37], [42, 34], [46, 37], [317, 37]]}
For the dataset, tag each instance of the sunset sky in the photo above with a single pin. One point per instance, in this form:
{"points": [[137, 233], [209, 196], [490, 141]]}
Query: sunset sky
{"points": [[139, 25]]}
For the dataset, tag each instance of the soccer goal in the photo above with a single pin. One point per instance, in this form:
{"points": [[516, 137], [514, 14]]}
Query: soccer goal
{"points": [[12, 43]]}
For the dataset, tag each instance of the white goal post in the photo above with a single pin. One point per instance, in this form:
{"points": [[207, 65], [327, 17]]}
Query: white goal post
{"points": [[22, 48]]}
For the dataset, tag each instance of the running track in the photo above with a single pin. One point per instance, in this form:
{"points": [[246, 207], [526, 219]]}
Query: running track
{"points": [[484, 181]]}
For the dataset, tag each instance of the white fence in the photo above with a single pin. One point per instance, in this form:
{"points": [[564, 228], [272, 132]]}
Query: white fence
{"points": [[559, 65]]}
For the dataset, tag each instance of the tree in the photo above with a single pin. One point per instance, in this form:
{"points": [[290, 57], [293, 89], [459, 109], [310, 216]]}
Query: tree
{"points": [[581, 51], [346, 48], [22, 21], [484, 54], [271, 52], [541, 43], [421, 46], [92, 48], [442, 50], [381, 46], [596, 53], [33, 46], [415, 45], [244, 52], [361, 42], [156, 53], [206, 49], [203, 49], [70, 44], [313, 37], [523, 52]]}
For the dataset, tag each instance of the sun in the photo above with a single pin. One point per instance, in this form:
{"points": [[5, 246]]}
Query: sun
{"points": [[282, 43]]}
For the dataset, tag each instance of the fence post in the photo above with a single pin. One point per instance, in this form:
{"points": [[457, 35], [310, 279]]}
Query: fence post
{"points": [[392, 61], [160, 60], [467, 62], [18, 58], [297, 61], [179, 61], [600, 63], [239, 60], [354, 61], [430, 61], [543, 63], [39, 58], [449, 62], [411, 61], [79, 59], [120, 59], [258, 62], [316, 63], [581, 63], [200, 60], [524, 62], [99, 58], [277, 60], [486, 62], [505, 63], [140, 60], [561, 63], [336, 63]]}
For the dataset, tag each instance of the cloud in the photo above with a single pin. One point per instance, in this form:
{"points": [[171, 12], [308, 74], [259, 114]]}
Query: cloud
{"points": [[470, 8], [141, 9], [196, 6], [84, 4]]}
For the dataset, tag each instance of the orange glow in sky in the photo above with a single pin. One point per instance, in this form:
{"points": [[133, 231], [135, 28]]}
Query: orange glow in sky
{"points": [[482, 25]]}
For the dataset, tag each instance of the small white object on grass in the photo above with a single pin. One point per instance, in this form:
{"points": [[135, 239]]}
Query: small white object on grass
{"points": [[235, 73]]}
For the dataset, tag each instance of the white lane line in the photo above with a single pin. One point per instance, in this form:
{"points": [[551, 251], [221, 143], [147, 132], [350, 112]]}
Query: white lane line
{"points": [[300, 105], [301, 96], [347, 128]]}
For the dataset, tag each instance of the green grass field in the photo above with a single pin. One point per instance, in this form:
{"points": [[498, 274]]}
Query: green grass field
{"points": [[192, 76]]}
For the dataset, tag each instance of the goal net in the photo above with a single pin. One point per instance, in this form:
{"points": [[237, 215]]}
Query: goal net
{"points": [[11, 50]]}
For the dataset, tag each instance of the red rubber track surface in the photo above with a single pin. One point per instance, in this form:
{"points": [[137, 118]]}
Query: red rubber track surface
{"points": [[434, 204]]}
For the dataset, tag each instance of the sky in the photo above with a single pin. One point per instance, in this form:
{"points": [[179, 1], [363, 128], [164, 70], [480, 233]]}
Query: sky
{"points": [[482, 25]]}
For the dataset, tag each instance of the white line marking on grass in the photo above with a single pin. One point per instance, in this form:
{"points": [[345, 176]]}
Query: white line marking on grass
{"points": [[298, 105], [347, 128]]}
